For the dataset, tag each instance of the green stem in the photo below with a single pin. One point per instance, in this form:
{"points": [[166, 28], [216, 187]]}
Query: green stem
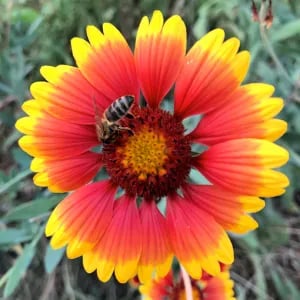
{"points": [[272, 53]]}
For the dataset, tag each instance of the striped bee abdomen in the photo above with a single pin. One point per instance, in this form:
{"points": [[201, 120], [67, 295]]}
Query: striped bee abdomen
{"points": [[119, 108]]}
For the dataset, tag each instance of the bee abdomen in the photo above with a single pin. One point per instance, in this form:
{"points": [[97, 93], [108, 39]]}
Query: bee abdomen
{"points": [[119, 108]]}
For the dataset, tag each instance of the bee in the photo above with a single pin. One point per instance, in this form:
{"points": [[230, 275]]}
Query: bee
{"points": [[108, 127]]}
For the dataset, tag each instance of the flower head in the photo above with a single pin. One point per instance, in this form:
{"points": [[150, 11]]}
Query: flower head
{"points": [[206, 288], [147, 211]]}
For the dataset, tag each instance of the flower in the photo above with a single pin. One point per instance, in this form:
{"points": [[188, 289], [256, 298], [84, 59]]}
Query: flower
{"points": [[147, 211], [206, 288]]}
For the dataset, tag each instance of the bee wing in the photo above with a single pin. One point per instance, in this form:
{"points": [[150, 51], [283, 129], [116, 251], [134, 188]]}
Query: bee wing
{"points": [[96, 108]]}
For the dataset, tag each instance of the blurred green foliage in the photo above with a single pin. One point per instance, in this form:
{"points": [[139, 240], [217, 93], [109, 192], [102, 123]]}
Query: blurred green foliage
{"points": [[35, 33]]}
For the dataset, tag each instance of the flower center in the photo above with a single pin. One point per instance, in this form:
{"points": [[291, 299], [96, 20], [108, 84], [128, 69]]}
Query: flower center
{"points": [[145, 153], [179, 293], [153, 161]]}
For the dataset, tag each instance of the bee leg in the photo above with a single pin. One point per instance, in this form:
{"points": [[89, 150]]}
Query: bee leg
{"points": [[129, 130], [129, 116]]}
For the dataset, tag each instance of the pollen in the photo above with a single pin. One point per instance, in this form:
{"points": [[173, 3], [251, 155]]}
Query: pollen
{"points": [[153, 161], [145, 153]]}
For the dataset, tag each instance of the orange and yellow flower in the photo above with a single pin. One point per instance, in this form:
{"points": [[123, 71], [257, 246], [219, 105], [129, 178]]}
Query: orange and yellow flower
{"points": [[148, 210], [219, 287]]}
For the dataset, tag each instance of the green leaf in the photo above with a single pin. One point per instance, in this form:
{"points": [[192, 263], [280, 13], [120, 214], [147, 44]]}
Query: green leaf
{"points": [[294, 292], [286, 31], [294, 157], [18, 270], [31, 209], [11, 140], [52, 258], [21, 265], [285, 288], [14, 236], [249, 242], [24, 14], [278, 284], [7, 185], [22, 158], [201, 24], [260, 277], [5, 88], [273, 229]]}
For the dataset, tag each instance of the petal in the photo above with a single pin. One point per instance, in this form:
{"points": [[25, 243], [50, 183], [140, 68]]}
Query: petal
{"points": [[247, 113], [81, 218], [33, 108], [62, 150], [159, 54], [211, 72], [228, 209], [198, 241], [68, 95], [156, 249], [244, 167], [68, 174], [52, 138], [158, 288], [62, 153], [219, 287], [120, 247], [107, 62]]}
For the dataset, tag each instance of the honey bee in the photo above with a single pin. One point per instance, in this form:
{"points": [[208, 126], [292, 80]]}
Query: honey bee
{"points": [[107, 127]]}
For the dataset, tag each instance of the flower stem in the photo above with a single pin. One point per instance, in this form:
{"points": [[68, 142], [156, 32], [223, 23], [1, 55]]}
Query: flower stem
{"points": [[187, 284], [267, 42]]}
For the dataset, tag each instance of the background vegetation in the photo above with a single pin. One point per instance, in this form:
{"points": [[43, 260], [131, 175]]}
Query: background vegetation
{"points": [[35, 33]]}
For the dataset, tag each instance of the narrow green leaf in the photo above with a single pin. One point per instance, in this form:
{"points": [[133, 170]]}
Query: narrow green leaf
{"points": [[278, 284], [286, 31], [249, 242], [6, 186], [20, 157], [31, 209], [261, 284], [14, 236], [19, 269], [52, 258], [21, 265], [5, 88], [201, 24], [285, 288], [25, 15], [273, 230], [294, 292], [294, 157], [4, 277]]}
